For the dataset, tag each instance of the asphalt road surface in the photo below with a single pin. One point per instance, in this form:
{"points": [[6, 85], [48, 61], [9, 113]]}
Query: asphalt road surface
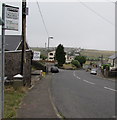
{"points": [[78, 94]]}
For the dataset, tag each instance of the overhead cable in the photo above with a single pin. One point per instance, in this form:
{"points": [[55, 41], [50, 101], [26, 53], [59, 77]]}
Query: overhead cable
{"points": [[42, 18], [99, 15]]}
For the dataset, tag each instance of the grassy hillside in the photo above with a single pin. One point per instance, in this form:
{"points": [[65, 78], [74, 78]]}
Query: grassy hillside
{"points": [[96, 53], [86, 52]]}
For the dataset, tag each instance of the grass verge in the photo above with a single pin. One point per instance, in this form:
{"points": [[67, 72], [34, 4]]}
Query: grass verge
{"points": [[69, 67], [13, 98]]}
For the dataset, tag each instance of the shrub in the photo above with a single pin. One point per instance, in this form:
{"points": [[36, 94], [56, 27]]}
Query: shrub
{"points": [[76, 63], [38, 66], [106, 66], [81, 59], [43, 57]]}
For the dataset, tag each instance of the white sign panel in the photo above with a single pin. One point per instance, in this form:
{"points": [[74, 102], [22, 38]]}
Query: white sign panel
{"points": [[11, 17], [36, 55]]}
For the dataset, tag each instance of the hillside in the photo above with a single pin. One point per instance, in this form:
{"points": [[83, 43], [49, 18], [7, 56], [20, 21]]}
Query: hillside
{"points": [[85, 52]]}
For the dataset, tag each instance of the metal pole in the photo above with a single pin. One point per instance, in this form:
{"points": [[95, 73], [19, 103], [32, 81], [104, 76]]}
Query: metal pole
{"points": [[45, 45], [48, 43], [2, 65]]}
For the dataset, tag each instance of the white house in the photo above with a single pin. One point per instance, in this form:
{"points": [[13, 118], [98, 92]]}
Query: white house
{"points": [[69, 58], [51, 56]]}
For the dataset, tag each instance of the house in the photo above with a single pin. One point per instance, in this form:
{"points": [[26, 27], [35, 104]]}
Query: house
{"points": [[13, 56], [51, 56], [69, 58], [113, 60]]}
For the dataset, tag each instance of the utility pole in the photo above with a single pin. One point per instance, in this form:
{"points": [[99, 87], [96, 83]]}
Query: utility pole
{"points": [[101, 59], [45, 45], [23, 35]]}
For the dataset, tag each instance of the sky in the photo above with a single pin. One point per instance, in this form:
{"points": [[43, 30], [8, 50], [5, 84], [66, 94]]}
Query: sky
{"points": [[89, 25]]}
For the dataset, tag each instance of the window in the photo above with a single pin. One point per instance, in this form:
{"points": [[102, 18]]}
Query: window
{"points": [[51, 53]]}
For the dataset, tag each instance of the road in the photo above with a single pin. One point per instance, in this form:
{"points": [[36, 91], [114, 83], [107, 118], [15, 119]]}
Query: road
{"points": [[78, 94]]}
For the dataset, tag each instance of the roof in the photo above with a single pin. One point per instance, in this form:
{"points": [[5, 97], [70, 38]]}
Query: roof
{"points": [[52, 52], [113, 56], [12, 42]]}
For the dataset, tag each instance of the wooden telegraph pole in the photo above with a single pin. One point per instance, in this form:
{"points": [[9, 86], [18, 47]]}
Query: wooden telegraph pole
{"points": [[23, 35]]}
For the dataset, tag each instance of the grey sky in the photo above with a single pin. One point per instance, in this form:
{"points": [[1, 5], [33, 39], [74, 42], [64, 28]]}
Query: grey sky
{"points": [[72, 25]]}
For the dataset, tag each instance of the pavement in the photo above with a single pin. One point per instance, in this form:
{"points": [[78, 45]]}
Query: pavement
{"points": [[38, 103]]}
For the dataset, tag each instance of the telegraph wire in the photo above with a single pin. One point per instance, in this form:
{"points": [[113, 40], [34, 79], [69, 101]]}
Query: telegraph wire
{"points": [[42, 18], [111, 1], [86, 6]]}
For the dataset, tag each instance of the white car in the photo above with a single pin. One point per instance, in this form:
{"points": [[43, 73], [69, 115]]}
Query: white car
{"points": [[93, 71]]}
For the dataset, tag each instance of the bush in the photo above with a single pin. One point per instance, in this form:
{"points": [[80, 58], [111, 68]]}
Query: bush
{"points": [[106, 66], [38, 66], [43, 57], [81, 59], [76, 63]]}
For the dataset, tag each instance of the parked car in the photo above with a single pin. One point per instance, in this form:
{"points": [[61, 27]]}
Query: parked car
{"points": [[93, 71], [54, 69]]}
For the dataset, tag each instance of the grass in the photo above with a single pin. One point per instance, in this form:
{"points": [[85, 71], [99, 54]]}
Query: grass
{"points": [[69, 66], [96, 53], [13, 99]]}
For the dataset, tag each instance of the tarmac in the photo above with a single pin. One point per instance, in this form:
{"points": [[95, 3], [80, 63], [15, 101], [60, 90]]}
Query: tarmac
{"points": [[38, 101]]}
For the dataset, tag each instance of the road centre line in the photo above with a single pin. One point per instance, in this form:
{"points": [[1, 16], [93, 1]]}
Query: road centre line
{"points": [[78, 77], [75, 75], [110, 89], [93, 83], [89, 82]]}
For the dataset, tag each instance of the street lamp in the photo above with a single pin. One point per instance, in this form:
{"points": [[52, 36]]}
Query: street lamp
{"points": [[48, 53], [49, 41]]}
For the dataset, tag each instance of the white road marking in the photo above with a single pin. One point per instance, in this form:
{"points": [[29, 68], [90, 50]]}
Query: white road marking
{"points": [[54, 107], [114, 116], [110, 89], [78, 77], [75, 75], [89, 82]]}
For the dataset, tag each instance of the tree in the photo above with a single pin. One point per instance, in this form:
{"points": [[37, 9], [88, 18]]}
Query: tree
{"points": [[76, 63], [81, 59], [60, 55]]}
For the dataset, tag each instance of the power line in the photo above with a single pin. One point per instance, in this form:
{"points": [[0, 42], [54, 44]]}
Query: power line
{"points": [[97, 13], [42, 19], [111, 1]]}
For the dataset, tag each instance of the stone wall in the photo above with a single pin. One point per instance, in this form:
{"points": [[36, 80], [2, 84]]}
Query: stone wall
{"points": [[13, 65]]}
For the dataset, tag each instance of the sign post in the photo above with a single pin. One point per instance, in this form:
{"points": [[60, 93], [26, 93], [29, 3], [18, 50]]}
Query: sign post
{"points": [[2, 62], [9, 21]]}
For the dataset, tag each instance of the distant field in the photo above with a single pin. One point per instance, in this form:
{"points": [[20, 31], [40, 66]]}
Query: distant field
{"points": [[96, 53]]}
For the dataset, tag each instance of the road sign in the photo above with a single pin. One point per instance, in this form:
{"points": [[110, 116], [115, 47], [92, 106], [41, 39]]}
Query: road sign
{"points": [[11, 17], [36, 55]]}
